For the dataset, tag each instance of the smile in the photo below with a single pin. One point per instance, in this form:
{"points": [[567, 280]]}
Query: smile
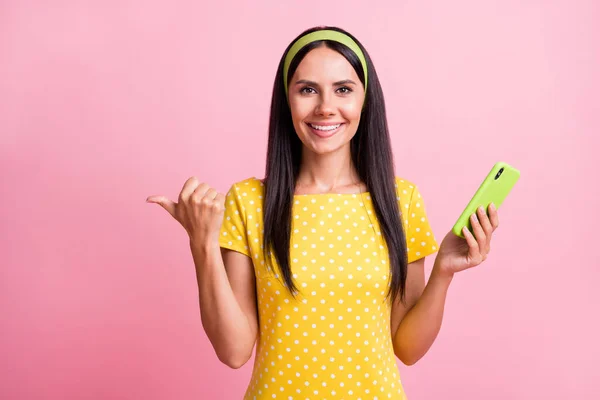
{"points": [[325, 131]]}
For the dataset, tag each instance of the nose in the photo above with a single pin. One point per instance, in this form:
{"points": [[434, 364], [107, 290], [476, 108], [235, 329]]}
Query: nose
{"points": [[325, 106]]}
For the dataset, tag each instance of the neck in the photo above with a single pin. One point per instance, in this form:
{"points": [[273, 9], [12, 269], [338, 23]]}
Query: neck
{"points": [[324, 173]]}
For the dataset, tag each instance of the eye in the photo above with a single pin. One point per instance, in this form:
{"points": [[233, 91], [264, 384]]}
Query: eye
{"points": [[307, 90], [344, 90]]}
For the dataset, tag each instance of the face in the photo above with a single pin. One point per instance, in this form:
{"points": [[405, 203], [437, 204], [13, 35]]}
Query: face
{"points": [[326, 98]]}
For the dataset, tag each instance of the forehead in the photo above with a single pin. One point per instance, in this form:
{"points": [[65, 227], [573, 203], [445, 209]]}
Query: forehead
{"points": [[324, 64]]}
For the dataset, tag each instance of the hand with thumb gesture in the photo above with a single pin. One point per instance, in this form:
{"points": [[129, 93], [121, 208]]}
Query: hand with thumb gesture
{"points": [[199, 210]]}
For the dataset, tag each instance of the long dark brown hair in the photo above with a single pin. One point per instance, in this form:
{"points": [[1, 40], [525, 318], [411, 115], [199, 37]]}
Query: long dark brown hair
{"points": [[371, 154]]}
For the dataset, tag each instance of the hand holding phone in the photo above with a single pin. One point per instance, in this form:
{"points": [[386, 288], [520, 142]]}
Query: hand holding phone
{"points": [[494, 189]]}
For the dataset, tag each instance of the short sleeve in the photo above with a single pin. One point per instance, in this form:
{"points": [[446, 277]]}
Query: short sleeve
{"points": [[233, 230], [420, 240]]}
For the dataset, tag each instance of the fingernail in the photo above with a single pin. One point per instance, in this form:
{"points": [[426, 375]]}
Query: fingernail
{"points": [[493, 206]]}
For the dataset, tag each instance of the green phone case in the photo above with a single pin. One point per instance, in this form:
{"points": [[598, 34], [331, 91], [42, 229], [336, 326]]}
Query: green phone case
{"points": [[493, 189]]}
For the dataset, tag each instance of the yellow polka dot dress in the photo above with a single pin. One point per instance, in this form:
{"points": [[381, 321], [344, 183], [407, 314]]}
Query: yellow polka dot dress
{"points": [[333, 340]]}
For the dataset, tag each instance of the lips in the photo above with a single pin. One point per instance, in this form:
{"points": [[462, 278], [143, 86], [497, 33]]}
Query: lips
{"points": [[325, 130]]}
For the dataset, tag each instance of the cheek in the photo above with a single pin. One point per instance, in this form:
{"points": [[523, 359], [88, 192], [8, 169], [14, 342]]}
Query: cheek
{"points": [[300, 110], [351, 112]]}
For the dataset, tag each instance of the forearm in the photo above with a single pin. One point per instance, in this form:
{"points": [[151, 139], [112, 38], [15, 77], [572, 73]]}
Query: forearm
{"points": [[223, 320], [421, 324]]}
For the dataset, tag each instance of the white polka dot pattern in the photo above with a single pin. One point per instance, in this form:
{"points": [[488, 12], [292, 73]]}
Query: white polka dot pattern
{"points": [[333, 340], [420, 241]]}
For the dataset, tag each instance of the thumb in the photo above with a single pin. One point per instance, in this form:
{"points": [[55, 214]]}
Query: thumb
{"points": [[165, 203]]}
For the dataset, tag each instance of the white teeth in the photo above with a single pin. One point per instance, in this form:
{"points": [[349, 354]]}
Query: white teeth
{"points": [[325, 128]]}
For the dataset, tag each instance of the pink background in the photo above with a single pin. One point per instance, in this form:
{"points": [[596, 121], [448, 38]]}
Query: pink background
{"points": [[107, 102]]}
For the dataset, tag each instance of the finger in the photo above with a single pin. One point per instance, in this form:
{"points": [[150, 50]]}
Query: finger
{"points": [[487, 229], [218, 203], [494, 220], [478, 231], [485, 222], [473, 245], [165, 203], [220, 198], [201, 194], [211, 194], [189, 187]]}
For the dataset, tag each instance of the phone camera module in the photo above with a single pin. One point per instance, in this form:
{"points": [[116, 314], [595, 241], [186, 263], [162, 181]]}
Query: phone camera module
{"points": [[499, 173]]}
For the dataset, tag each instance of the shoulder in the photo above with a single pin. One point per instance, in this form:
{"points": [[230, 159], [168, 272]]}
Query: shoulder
{"points": [[404, 186], [247, 190], [407, 193], [249, 184]]}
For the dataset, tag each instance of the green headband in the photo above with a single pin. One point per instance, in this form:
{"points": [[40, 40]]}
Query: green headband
{"points": [[322, 35]]}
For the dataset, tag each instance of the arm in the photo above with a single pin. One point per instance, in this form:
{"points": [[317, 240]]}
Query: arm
{"points": [[418, 322], [226, 283], [421, 325], [227, 294]]}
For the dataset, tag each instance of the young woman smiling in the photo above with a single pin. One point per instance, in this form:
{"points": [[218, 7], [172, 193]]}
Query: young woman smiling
{"points": [[321, 263]]}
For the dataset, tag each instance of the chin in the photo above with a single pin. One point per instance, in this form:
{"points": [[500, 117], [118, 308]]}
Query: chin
{"points": [[325, 148]]}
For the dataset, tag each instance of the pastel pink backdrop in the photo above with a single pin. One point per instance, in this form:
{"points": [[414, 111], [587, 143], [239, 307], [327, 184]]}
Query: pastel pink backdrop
{"points": [[105, 103]]}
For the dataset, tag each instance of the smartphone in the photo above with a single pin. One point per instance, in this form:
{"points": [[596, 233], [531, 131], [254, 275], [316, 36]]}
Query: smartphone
{"points": [[494, 189]]}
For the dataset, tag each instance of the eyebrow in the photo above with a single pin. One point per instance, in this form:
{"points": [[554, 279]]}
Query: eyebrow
{"points": [[338, 83]]}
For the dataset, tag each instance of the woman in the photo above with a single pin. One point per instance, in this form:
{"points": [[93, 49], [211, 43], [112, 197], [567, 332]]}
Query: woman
{"points": [[321, 264]]}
